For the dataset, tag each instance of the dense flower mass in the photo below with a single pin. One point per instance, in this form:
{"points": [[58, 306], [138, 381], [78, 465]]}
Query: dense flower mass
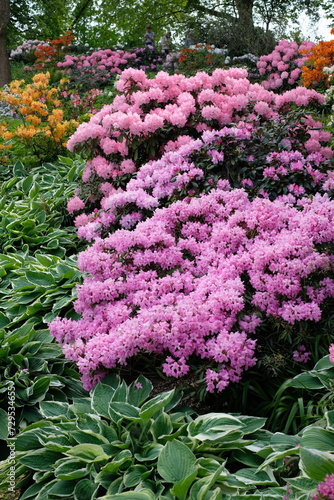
{"points": [[325, 490], [320, 56], [282, 68], [150, 113], [176, 285]]}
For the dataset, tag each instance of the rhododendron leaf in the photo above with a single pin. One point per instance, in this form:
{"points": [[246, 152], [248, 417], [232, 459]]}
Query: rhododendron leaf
{"points": [[176, 462], [317, 438], [155, 404], [88, 453], [101, 396], [316, 464], [125, 410]]}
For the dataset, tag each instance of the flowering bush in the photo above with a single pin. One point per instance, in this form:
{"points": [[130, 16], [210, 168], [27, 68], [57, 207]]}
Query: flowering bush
{"points": [[48, 54], [98, 68], [282, 67], [26, 51], [198, 278], [322, 55], [200, 57], [205, 267], [149, 115], [42, 130], [189, 167]]}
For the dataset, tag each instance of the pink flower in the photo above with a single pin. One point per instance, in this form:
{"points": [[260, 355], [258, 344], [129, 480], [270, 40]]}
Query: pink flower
{"points": [[75, 204]]}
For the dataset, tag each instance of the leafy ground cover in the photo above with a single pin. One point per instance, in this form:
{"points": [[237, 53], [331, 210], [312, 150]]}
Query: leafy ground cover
{"points": [[208, 199]]}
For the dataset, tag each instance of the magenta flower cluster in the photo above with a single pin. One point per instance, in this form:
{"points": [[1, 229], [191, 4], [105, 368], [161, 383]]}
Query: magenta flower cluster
{"points": [[325, 490], [282, 67], [174, 285]]}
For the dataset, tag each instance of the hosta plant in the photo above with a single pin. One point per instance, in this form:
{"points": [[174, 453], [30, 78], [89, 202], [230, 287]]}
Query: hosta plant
{"points": [[121, 443]]}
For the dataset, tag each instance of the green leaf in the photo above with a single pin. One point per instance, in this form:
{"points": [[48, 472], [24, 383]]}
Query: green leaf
{"points": [[318, 439], [125, 410], [101, 397], [131, 495], [27, 441], [62, 489], [155, 404], [213, 426], [316, 464], [40, 278], [88, 453], [51, 409], [40, 460], [85, 490], [139, 391], [72, 469], [135, 474], [3, 424], [162, 426], [176, 462], [180, 489]]}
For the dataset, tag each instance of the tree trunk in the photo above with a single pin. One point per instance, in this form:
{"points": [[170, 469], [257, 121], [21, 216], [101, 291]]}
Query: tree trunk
{"points": [[5, 73], [245, 13]]}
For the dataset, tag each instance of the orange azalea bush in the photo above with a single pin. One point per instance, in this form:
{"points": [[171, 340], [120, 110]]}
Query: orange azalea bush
{"points": [[52, 51], [322, 56], [40, 126]]}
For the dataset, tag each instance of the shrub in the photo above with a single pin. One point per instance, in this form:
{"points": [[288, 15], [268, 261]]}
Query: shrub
{"points": [[200, 57], [149, 113], [41, 130], [282, 67], [322, 55], [159, 288]]}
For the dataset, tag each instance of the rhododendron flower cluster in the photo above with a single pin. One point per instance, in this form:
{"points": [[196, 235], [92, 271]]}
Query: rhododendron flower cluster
{"points": [[321, 56], [197, 279], [283, 66], [325, 490], [101, 65], [149, 113], [27, 49], [184, 170]]}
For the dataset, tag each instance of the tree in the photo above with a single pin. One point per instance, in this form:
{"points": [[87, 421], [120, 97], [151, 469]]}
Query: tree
{"points": [[5, 73]]}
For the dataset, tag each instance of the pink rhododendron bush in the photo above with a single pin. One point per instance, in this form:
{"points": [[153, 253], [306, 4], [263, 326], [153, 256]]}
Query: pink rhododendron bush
{"points": [[213, 220], [176, 285], [282, 67]]}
